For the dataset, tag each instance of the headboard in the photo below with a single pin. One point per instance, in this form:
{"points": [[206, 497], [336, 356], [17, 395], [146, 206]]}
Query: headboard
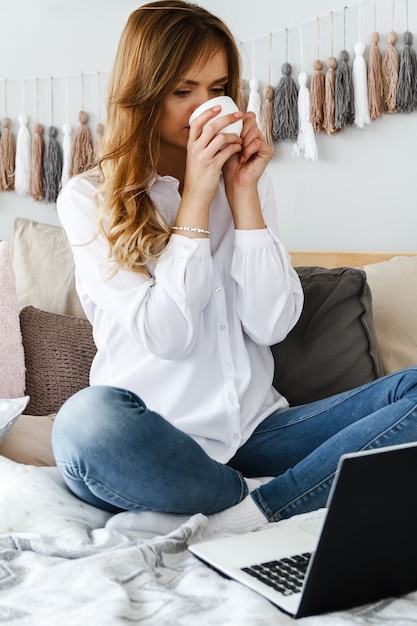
{"points": [[341, 259]]}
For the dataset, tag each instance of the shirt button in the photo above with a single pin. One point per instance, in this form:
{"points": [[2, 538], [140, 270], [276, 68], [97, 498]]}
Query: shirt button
{"points": [[222, 327], [235, 436], [217, 289], [228, 366]]}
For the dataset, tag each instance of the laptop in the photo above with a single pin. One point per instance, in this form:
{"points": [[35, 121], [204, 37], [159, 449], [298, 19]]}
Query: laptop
{"points": [[360, 549]]}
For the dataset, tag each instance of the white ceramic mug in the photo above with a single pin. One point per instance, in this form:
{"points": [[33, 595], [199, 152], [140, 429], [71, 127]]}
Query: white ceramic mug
{"points": [[228, 106]]}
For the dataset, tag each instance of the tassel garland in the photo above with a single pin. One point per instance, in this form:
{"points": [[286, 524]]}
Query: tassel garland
{"points": [[36, 175], [407, 77], [23, 157], [285, 105], [345, 93]]}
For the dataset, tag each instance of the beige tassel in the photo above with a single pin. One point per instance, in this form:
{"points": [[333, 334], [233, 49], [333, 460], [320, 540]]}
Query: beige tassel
{"points": [[98, 141], [390, 71], [267, 115], [36, 174], [7, 156], [375, 88], [329, 107], [317, 96], [82, 151], [242, 98]]}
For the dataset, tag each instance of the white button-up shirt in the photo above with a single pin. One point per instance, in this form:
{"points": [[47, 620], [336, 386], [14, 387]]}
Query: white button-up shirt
{"points": [[193, 340]]}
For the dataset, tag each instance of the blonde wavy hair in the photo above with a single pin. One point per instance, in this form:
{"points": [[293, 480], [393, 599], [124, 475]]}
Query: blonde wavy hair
{"points": [[160, 42]]}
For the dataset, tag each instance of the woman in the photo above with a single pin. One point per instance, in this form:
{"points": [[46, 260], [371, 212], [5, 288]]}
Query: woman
{"points": [[180, 271]]}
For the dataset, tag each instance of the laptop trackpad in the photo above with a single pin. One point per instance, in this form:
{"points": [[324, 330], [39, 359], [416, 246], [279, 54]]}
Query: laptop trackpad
{"points": [[313, 525]]}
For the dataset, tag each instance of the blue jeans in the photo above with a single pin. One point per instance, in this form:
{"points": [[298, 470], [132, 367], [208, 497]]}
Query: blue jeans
{"points": [[117, 454]]}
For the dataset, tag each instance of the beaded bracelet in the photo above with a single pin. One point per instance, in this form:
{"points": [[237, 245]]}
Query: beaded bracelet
{"points": [[192, 229]]}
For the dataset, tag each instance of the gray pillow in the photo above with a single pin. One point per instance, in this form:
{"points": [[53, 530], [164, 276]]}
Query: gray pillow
{"points": [[333, 347]]}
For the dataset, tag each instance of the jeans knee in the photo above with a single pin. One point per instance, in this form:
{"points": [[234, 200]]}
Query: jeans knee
{"points": [[407, 382], [86, 420]]}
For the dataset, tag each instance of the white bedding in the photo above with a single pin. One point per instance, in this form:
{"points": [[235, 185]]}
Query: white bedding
{"points": [[60, 565], [36, 500]]}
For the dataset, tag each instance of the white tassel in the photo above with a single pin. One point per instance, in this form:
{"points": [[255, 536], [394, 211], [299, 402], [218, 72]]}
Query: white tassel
{"points": [[254, 102], [23, 157], [66, 153], [305, 145], [360, 87]]}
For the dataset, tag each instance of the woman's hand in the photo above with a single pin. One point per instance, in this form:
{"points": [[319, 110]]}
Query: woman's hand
{"points": [[242, 172], [208, 150], [246, 168]]}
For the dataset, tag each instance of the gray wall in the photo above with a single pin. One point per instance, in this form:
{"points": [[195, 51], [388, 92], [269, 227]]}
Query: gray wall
{"points": [[360, 194]]}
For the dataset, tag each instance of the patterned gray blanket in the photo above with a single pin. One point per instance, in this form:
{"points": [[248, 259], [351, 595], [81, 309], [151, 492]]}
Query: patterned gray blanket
{"points": [[117, 581]]}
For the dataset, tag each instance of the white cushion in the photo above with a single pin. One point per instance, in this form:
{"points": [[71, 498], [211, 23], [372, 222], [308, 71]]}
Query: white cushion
{"points": [[12, 370], [44, 268], [393, 285], [10, 411]]}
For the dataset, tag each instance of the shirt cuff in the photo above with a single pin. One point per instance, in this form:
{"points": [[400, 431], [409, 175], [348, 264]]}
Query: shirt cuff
{"points": [[258, 237], [187, 246]]}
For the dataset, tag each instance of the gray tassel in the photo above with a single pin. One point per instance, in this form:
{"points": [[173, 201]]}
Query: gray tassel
{"points": [[285, 103], [52, 167], [407, 77], [343, 92]]}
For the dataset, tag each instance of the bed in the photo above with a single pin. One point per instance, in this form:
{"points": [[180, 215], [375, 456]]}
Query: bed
{"points": [[60, 563]]}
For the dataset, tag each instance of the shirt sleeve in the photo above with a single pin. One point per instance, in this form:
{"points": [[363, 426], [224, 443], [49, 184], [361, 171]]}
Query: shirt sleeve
{"points": [[162, 312], [269, 295]]}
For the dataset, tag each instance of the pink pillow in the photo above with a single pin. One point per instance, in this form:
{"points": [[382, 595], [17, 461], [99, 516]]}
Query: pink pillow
{"points": [[12, 371]]}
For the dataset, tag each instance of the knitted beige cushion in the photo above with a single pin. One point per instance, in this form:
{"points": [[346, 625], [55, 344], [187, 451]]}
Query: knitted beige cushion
{"points": [[59, 350]]}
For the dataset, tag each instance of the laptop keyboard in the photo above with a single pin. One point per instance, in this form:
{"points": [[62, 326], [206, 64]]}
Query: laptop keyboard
{"points": [[285, 575]]}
